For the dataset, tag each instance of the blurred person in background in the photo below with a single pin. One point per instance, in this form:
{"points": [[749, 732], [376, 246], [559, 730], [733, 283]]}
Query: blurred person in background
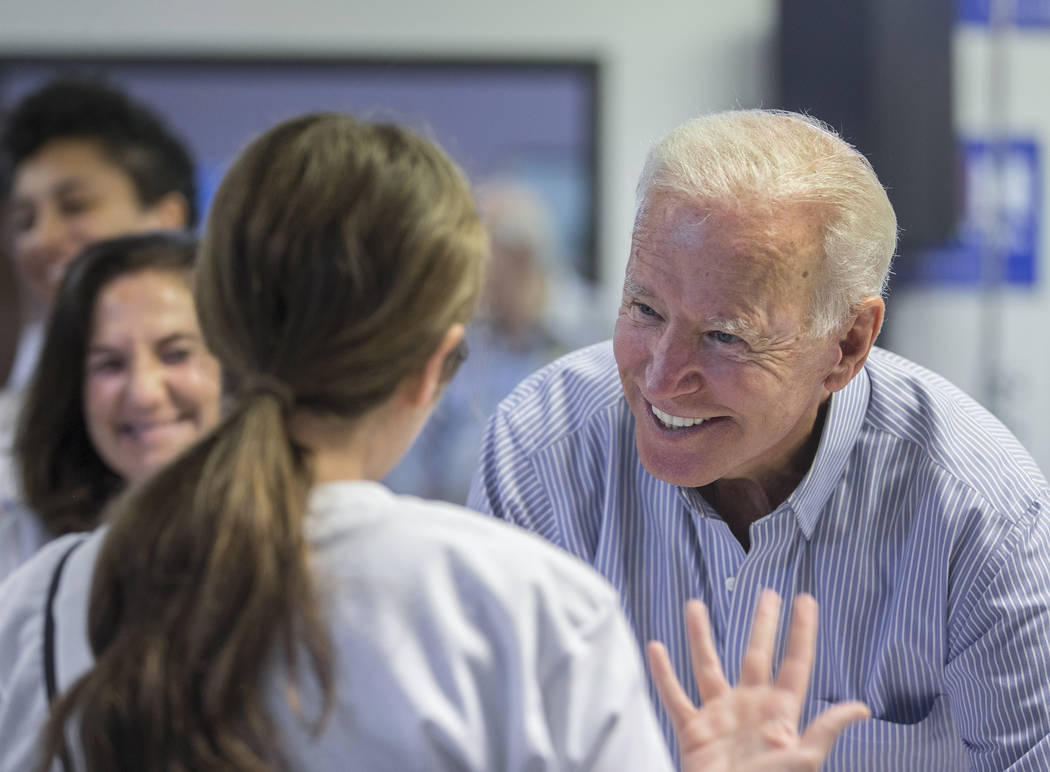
{"points": [[532, 310], [82, 161], [10, 313], [123, 384]]}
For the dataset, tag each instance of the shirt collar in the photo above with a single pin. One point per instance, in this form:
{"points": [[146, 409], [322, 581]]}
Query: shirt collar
{"points": [[846, 411], [842, 426]]}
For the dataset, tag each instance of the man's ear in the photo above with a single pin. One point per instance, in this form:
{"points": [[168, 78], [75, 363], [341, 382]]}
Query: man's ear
{"points": [[425, 387], [170, 212], [855, 342]]}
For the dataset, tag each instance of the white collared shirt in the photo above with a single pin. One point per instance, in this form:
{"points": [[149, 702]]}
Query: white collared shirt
{"points": [[461, 643]]}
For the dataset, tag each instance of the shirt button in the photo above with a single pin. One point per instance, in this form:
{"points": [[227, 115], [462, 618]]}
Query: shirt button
{"points": [[730, 583]]}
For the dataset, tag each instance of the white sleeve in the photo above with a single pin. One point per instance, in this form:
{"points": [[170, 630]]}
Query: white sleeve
{"points": [[23, 695], [598, 705]]}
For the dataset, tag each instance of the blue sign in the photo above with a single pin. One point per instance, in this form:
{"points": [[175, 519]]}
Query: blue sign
{"points": [[998, 238], [1025, 13]]}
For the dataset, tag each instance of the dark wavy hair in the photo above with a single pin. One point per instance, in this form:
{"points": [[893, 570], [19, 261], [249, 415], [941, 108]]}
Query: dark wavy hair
{"points": [[132, 136], [64, 480]]}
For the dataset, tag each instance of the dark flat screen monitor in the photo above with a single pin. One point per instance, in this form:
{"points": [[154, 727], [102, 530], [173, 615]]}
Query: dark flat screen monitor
{"points": [[533, 121]]}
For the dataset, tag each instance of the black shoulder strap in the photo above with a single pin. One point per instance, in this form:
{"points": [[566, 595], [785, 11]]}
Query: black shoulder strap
{"points": [[50, 680]]}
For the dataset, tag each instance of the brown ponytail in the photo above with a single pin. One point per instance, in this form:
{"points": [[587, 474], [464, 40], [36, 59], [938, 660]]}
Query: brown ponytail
{"points": [[336, 256]]}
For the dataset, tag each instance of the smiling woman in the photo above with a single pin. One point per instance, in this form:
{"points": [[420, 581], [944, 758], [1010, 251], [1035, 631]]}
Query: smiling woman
{"points": [[150, 386], [145, 387]]}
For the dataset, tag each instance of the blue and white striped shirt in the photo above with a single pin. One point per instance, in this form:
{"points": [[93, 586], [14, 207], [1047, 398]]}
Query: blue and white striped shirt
{"points": [[921, 528]]}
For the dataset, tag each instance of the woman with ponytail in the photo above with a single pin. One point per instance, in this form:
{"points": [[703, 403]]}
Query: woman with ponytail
{"points": [[261, 603]]}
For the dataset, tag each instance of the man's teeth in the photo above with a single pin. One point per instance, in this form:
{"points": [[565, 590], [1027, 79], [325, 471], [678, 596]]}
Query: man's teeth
{"points": [[673, 421]]}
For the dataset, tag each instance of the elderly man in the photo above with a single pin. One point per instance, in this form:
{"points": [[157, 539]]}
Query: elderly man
{"points": [[742, 432]]}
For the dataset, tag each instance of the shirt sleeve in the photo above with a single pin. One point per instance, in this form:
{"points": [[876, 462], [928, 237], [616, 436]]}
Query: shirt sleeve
{"points": [[598, 707], [998, 676], [23, 696], [506, 484], [595, 697]]}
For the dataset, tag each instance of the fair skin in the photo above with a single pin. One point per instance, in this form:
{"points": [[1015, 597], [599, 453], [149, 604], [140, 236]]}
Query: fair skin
{"points": [[725, 382], [69, 194], [370, 446], [752, 728], [516, 290], [151, 387]]}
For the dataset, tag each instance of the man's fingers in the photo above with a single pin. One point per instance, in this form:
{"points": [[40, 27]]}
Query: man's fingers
{"points": [[797, 665], [825, 729], [707, 668], [758, 659], [675, 701]]}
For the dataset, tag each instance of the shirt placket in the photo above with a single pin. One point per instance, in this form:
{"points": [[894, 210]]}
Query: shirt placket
{"points": [[735, 578]]}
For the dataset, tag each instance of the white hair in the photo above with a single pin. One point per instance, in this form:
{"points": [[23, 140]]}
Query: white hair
{"points": [[773, 158]]}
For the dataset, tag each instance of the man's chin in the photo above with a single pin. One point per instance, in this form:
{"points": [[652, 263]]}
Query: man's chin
{"points": [[674, 470]]}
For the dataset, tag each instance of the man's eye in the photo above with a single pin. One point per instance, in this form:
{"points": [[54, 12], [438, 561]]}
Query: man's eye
{"points": [[724, 337], [645, 310]]}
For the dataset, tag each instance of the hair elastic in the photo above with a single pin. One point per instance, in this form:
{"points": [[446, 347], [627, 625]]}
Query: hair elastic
{"points": [[266, 385]]}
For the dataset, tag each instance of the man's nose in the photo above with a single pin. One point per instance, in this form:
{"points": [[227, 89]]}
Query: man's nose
{"points": [[674, 365]]}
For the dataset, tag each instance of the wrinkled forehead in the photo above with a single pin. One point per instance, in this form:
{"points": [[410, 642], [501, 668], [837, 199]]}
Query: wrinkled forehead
{"points": [[777, 241]]}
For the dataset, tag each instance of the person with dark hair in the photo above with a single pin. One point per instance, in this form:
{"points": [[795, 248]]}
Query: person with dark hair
{"points": [[124, 383], [81, 161], [85, 161], [261, 602], [10, 313]]}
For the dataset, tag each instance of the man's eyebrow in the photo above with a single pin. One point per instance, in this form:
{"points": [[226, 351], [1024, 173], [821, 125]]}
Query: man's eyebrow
{"points": [[742, 328], [632, 287], [733, 325]]}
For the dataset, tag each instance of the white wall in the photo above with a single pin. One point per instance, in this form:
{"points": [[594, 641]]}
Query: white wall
{"points": [[662, 61]]}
